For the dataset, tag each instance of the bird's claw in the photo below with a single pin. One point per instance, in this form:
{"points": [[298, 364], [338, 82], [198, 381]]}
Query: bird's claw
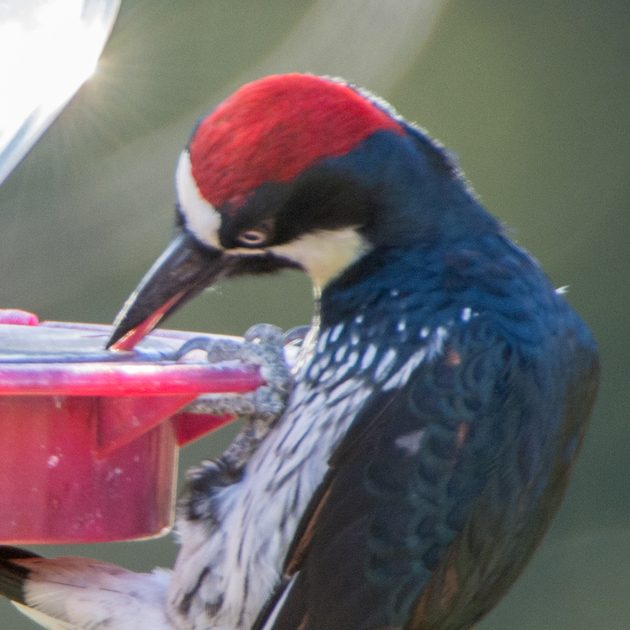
{"points": [[263, 346], [295, 335]]}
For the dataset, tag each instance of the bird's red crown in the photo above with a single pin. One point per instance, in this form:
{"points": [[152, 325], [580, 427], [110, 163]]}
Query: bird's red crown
{"points": [[272, 129]]}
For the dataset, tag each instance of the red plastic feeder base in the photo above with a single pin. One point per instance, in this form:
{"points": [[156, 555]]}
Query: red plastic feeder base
{"points": [[90, 444]]}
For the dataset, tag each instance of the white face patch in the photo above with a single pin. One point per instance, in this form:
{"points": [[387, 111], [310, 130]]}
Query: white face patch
{"points": [[324, 254], [200, 216]]}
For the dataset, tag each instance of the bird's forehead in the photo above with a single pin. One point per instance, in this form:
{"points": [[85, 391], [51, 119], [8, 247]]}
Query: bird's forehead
{"points": [[272, 129]]}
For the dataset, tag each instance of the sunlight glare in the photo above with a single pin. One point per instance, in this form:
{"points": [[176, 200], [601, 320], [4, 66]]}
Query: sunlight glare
{"points": [[48, 48]]}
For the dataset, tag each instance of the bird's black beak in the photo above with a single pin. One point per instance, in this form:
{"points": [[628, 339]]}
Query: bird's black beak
{"points": [[183, 270]]}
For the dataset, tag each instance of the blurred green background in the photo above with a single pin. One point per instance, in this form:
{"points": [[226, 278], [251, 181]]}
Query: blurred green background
{"points": [[534, 98]]}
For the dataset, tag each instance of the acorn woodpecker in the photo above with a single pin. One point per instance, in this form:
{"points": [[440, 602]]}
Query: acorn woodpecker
{"points": [[438, 405]]}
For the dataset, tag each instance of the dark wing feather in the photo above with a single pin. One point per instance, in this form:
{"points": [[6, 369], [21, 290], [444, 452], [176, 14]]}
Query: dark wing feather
{"points": [[410, 523], [12, 575]]}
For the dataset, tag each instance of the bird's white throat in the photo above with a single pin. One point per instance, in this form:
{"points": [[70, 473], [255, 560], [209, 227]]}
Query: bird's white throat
{"points": [[324, 254]]}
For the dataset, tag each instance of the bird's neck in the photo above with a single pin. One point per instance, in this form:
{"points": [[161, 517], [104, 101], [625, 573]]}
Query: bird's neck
{"points": [[395, 279]]}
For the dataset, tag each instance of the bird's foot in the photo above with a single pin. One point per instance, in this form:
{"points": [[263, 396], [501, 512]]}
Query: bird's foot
{"points": [[263, 346]]}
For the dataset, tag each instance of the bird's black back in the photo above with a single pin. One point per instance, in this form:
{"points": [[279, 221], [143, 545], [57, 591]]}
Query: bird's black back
{"points": [[451, 470]]}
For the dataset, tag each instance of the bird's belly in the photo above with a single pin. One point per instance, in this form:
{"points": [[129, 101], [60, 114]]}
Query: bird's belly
{"points": [[243, 561]]}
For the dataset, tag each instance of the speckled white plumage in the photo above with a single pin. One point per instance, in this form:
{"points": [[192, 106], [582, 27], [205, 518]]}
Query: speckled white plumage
{"points": [[260, 514]]}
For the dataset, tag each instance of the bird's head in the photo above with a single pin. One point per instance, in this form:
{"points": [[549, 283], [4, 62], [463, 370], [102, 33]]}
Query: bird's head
{"points": [[290, 171]]}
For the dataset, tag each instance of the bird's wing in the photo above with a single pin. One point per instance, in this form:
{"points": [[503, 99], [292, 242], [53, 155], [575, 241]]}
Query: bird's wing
{"points": [[83, 594], [391, 524]]}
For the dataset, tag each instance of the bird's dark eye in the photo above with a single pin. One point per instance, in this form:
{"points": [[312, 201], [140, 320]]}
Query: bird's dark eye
{"points": [[254, 237]]}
